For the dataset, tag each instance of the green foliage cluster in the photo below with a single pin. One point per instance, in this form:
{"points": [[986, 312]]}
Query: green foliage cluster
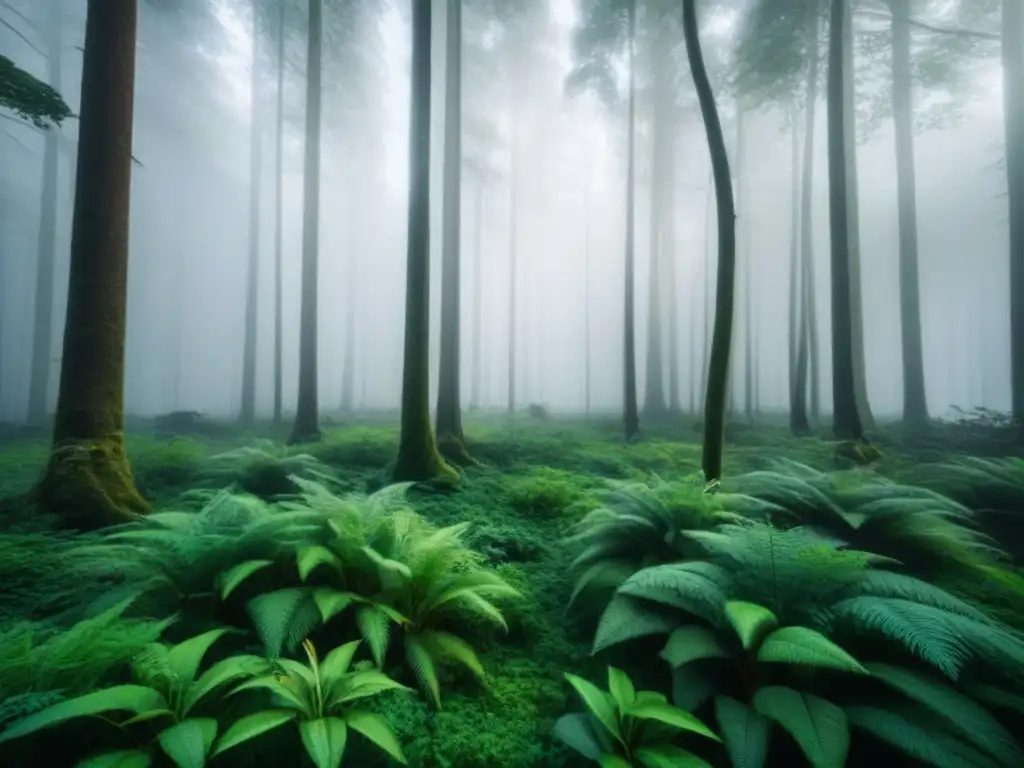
{"points": [[29, 97]]}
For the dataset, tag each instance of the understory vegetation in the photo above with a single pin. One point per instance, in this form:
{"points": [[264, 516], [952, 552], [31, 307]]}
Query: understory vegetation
{"points": [[574, 601]]}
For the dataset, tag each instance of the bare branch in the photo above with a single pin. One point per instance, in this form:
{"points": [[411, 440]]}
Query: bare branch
{"points": [[20, 15], [19, 33], [931, 27]]}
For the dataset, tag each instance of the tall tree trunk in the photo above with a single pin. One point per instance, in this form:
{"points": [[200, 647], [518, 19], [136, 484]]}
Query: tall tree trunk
{"points": [[348, 372], [743, 184], [706, 330], [630, 415], [513, 276], [915, 404], [809, 355], [247, 414], [418, 458], [587, 388], [46, 253], [798, 423], [654, 385], [668, 249], [1013, 116], [88, 479], [279, 223], [853, 211], [306, 427], [478, 288], [449, 407], [718, 368], [846, 423]]}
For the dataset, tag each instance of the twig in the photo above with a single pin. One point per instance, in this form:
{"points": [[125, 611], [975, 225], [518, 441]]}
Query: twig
{"points": [[20, 15], [20, 34], [931, 27]]}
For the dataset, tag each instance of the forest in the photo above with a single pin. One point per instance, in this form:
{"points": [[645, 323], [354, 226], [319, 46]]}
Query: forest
{"points": [[512, 383]]}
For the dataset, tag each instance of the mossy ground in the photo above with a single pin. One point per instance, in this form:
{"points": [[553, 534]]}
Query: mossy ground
{"points": [[529, 484]]}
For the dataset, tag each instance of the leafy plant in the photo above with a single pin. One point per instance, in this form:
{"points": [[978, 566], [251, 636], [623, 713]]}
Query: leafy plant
{"points": [[319, 696], [626, 728], [266, 469]]}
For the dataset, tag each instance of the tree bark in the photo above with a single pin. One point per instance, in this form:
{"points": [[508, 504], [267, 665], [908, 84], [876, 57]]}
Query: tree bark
{"points": [[718, 367], [478, 286], [247, 413], [306, 427], [846, 424], [654, 385], [279, 224], [418, 458], [1013, 116], [809, 350], [513, 276], [88, 479], [630, 415], [348, 373], [587, 393]]}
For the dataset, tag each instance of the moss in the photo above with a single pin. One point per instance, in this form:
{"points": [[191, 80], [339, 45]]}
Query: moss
{"points": [[90, 484], [419, 460]]}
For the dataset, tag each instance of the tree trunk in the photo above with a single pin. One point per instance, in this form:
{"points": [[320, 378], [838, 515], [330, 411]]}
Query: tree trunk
{"points": [[478, 287], [654, 385], [279, 223], [306, 427], [706, 330], [809, 354], [743, 184], [630, 416], [668, 241], [449, 407], [718, 368], [798, 424], [348, 373], [853, 211], [1013, 116], [513, 227], [587, 393], [915, 404], [247, 414], [46, 253], [846, 423], [418, 458], [88, 479]]}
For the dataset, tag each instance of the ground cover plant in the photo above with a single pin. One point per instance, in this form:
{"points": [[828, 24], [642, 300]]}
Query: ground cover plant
{"points": [[575, 601]]}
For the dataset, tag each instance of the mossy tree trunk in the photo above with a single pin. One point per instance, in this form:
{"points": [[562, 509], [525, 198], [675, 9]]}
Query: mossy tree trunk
{"points": [[630, 414], [46, 253], [449, 401], [307, 427], [418, 458], [1013, 117], [846, 423], [279, 222], [88, 478], [247, 411], [721, 343]]}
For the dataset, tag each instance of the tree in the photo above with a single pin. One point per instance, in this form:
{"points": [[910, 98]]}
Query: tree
{"points": [[418, 458], [30, 98], [88, 478], [721, 342], [1013, 116]]}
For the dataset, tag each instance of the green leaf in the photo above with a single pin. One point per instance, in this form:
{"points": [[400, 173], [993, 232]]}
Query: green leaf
{"points": [[132, 698], [188, 743], [671, 716], [223, 672], [359, 685], [577, 733], [621, 688], [668, 756], [331, 602], [800, 645], [750, 620], [598, 703], [746, 733], [293, 696], [337, 662], [186, 657], [818, 726], [309, 559], [324, 740], [387, 564], [692, 685], [374, 625], [127, 758], [691, 643], [232, 578], [249, 727], [378, 730], [422, 665], [613, 761]]}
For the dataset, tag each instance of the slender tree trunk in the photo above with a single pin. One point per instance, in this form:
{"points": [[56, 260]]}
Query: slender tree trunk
{"points": [[630, 415], [478, 288], [743, 184], [853, 210], [798, 423], [513, 276], [46, 253], [88, 479], [1013, 116], [915, 404], [279, 223], [418, 458], [306, 427], [809, 355], [846, 423], [718, 368], [587, 387], [348, 373], [449, 408], [247, 415], [706, 330], [654, 386], [668, 243]]}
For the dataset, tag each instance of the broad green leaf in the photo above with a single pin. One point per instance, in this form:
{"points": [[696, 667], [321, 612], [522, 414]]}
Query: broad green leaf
{"points": [[132, 698], [290, 693], [671, 716], [337, 662], [577, 733], [621, 688], [800, 645], [378, 730], [374, 625], [387, 564], [444, 646], [817, 725], [668, 756], [691, 643], [188, 743], [232, 578], [613, 761], [692, 685], [186, 657], [222, 672], [745, 732], [359, 685], [127, 758], [598, 703], [145, 717], [331, 602], [249, 727], [324, 740], [309, 559], [750, 620]]}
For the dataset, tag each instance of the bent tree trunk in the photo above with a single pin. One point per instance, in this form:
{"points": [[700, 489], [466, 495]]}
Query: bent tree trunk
{"points": [[721, 343], [418, 458], [1013, 116], [88, 479], [630, 416], [846, 422], [306, 427], [247, 412], [449, 406]]}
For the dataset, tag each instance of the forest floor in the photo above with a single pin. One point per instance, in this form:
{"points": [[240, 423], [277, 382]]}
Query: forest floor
{"points": [[535, 481]]}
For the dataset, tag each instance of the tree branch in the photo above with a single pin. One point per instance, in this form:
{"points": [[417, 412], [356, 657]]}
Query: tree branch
{"points": [[20, 34], [20, 15], [931, 27]]}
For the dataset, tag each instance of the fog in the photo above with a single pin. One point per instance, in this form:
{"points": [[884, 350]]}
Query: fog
{"points": [[190, 218]]}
